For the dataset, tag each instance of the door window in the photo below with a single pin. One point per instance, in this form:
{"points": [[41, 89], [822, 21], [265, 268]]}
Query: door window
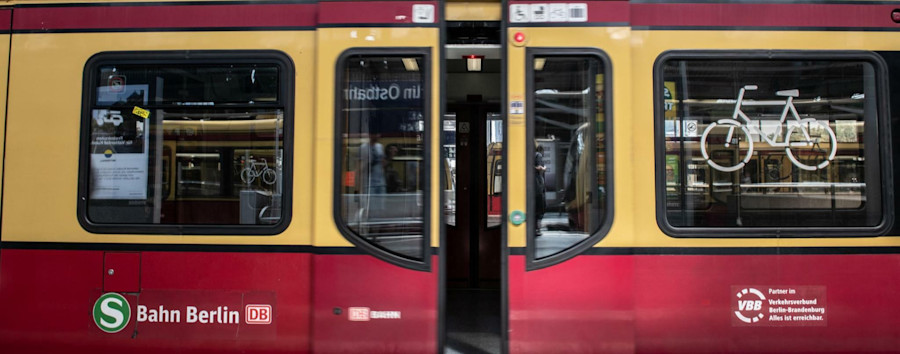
{"points": [[569, 170], [382, 200]]}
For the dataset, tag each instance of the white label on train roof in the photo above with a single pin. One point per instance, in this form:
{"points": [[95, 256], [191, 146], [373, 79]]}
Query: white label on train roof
{"points": [[559, 13], [554, 12], [539, 12], [577, 12], [423, 13], [519, 13]]}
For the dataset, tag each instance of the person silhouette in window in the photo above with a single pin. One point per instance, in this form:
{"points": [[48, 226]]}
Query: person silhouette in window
{"points": [[392, 177], [540, 201], [371, 155]]}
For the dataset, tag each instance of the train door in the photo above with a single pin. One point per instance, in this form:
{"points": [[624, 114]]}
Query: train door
{"points": [[376, 228], [472, 224], [472, 236], [567, 280], [473, 141]]}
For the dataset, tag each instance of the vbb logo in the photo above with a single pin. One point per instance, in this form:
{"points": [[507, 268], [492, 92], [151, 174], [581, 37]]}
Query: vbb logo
{"points": [[111, 312], [750, 310], [258, 314]]}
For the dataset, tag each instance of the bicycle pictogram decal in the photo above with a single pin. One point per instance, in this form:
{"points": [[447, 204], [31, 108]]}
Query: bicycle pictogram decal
{"points": [[799, 134], [256, 169]]}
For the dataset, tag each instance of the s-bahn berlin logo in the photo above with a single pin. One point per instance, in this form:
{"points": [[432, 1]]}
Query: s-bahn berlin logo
{"points": [[750, 304], [212, 313], [111, 312]]}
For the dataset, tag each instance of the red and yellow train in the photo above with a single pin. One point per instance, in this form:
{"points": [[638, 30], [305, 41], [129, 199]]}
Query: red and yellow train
{"points": [[276, 176]]}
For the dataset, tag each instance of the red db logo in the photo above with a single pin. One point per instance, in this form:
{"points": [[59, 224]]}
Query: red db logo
{"points": [[258, 314], [358, 313]]}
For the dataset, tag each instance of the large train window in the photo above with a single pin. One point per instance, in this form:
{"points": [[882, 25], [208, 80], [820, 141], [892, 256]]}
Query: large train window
{"points": [[570, 179], [177, 142], [774, 144], [382, 174]]}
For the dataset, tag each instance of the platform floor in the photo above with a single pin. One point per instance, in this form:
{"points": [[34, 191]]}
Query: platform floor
{"points": [[473, 321]]}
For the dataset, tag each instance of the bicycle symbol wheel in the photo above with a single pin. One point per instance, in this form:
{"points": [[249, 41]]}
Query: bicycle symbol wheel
{"points": [[268, 176], [726, 135], [809, 146], [247, 175]]}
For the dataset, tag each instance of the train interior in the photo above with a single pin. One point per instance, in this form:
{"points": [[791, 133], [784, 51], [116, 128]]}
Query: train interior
{"points": [[472, 143]]}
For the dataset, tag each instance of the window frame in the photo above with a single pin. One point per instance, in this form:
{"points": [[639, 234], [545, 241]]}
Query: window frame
{"points": [[578, 248], [185, 57], [882, 146], [359, 241]]}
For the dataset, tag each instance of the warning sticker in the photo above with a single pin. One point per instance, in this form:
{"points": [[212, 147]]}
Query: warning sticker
{"points": [[551, 12], [140, 112], [516, 107], [778, 306], [116, 83]]}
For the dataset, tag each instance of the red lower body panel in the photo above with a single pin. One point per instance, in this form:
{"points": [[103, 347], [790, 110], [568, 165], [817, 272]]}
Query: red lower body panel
{"points": [[47, 297], [583, 305], [365, 305], [213, 302], [694, 304], [687, 303], [204, 302]]}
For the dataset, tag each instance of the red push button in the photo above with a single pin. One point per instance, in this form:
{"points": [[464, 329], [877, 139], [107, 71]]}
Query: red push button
{"points": [[895, 16], [519, 37]]}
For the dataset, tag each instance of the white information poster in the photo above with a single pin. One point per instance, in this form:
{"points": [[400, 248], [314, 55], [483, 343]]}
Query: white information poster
{"points": [[119, 146], [119, 176]]}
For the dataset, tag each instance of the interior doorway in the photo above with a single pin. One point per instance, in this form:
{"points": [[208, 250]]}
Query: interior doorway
{"points": [[473, 234], [473, 143]]}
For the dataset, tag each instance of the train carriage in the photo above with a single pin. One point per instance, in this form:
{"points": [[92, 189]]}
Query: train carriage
{"points": [[449, 176]]}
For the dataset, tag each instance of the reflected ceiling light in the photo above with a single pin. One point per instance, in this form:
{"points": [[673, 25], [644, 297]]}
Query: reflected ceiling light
{"points": [[539, 63], [410, 64], [473, 62]]}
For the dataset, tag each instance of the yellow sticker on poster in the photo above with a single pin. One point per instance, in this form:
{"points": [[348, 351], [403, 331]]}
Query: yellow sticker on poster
{"points": [[140, 112]]}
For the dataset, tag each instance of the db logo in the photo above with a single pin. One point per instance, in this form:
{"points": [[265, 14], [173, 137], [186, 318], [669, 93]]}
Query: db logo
{"points": [[358, 313], [258, 314], [749, 309]]}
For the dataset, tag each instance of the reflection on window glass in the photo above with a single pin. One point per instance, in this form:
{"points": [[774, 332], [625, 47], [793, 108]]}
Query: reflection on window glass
{"points": [[569, 163], [449, 168], [382, 152], [494, 140], [770, 143], [171, 144]]}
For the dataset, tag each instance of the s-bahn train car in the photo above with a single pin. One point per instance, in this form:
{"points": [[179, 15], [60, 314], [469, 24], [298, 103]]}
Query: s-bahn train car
{"points": [[362, 176]]}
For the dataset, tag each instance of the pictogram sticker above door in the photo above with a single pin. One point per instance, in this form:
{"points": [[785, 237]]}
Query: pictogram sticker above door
{"points": [[554, 12]]}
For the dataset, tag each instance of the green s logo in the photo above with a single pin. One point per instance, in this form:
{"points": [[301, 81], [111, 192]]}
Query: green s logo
{"points": [[111, 312]]}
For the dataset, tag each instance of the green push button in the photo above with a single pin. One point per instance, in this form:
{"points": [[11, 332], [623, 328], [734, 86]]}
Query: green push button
{"points": [[517, 217]]}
